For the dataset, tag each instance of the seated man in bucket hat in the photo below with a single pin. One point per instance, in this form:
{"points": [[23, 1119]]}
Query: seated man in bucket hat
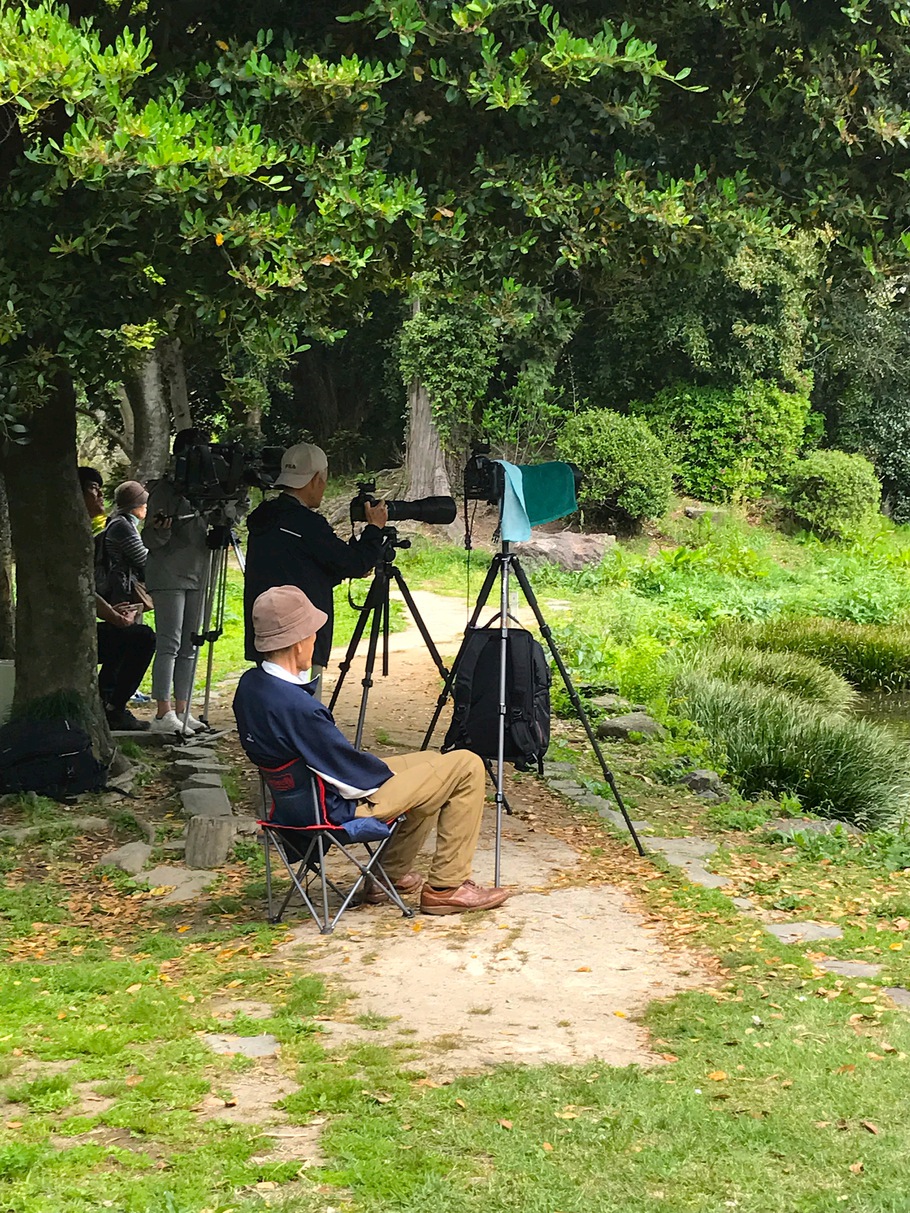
{"points": [[279, 721]]}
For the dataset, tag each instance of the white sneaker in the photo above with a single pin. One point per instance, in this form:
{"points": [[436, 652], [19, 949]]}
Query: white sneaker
{"points": [[170, 722]]}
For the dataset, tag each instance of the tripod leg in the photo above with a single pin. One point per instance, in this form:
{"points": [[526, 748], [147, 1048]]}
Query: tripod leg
{"points": [[220, 599], [368, 607], [446, 691], [205, 615], [488, 763], [418, 619], [378, 615], [505, 568], [574, 697]]}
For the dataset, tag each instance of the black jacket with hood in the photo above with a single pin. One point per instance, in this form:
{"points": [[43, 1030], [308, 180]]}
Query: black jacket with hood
{"points": [[290, 544]]}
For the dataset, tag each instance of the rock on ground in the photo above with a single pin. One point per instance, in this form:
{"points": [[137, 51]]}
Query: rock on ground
{"points": [[567, 549], [620, 728], [131, 858], [802, 932]]}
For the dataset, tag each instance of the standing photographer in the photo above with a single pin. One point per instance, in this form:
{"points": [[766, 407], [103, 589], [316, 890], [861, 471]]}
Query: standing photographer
{"points": [[178, 557], [290, 544]]}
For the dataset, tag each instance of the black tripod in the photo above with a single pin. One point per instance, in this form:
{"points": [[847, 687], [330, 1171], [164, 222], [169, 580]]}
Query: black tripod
{"points": [[503, 564], [377, 607], [221, 540]]}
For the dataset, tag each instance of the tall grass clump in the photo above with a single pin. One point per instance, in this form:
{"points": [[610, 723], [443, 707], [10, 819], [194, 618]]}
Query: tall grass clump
{"points": [[871, 657], [772, 742], [792, 672]]}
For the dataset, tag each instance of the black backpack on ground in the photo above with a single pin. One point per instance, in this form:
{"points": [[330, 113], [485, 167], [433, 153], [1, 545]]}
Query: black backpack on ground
{"points": [[475, 722], [51, 757]]}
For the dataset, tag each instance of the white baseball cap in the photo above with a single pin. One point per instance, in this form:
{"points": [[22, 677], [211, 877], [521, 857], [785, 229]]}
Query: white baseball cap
{"points": [[299, 464]]}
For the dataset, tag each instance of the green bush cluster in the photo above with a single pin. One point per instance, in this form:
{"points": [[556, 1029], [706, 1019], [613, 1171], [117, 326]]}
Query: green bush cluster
{"points": [[870, 656], [732, 442], [774, 742], [795, 673], [833, 493], [627, 474]]}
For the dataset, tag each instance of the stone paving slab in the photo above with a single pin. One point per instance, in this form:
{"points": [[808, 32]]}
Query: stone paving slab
{"points": [[566, 787], [802, 932], [184, 884], [265, 1045], [200, 779], [130, 858], [850, 968], [205, 802], [899, 996]]}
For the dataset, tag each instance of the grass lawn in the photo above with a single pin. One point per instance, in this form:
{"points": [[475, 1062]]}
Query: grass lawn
{"points": [[783, 1089], [780, 1090]]}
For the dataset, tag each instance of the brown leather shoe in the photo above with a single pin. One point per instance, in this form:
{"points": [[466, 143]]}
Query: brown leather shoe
{"points": [[469, 896], [376, 895]]}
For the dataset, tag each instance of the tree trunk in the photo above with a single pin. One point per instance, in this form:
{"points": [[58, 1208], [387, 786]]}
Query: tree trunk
{"points": [[425, 462], [128, 428], [426, 465], [169, 353], [7, 602], [149, 402], [55, 592]]}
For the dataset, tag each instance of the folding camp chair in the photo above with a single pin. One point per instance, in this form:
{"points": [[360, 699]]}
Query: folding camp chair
{"points": [[305, 849]]}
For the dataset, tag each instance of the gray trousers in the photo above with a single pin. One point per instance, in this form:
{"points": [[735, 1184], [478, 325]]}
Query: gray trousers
{"points": [[177, 617]]}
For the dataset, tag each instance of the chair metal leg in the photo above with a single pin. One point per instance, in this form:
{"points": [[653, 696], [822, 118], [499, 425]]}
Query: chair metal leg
{"points": [[267, 847], [311, 867]]}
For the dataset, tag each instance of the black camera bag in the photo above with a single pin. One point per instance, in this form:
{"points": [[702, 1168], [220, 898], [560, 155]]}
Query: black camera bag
{"points": [[475, 721], [51, 757]]}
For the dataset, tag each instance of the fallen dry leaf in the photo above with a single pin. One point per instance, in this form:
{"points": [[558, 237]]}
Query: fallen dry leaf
{"points": [[506, 1124], [461, 1103], [857, 1168], [546, 1146], [869, 1127], [717, 1075]]}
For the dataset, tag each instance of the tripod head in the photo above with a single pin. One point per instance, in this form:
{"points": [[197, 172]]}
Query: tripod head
{"points": [[391, 544]]}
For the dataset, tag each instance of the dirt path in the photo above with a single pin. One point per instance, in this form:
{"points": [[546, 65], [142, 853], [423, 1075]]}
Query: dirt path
{"points": [[559, 974]]}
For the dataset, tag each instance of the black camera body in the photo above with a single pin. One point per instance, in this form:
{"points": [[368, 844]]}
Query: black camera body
{"points": [[211, 473], [435, 510], [484, 478]]}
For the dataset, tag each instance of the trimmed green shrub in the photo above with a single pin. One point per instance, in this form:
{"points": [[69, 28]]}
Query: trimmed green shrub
{"points": [[729, 442], [871, 657], [833, 493], [794, 673], [772, 742], [627, 474]]}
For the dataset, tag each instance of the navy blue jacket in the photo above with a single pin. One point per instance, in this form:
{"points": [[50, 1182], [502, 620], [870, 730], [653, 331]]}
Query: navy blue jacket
{"points": [[290, 544], [280, 721]]}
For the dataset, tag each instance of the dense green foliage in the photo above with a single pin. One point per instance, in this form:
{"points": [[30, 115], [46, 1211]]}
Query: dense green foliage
{"points": [[627, 475], [798, 675], [729, 443], [833, 493], [870, 656], [773, 742]]}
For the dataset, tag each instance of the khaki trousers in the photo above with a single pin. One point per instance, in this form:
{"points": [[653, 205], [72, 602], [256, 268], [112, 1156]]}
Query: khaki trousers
{"points": [[447, 789]]}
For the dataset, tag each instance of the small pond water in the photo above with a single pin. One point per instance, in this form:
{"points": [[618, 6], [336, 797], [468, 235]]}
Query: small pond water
{"points": [[892, 709]]}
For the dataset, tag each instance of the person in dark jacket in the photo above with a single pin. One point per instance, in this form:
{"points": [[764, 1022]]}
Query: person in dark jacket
{"points": [[290, 544], [280, 723], [121, 552], [124, 647]]}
